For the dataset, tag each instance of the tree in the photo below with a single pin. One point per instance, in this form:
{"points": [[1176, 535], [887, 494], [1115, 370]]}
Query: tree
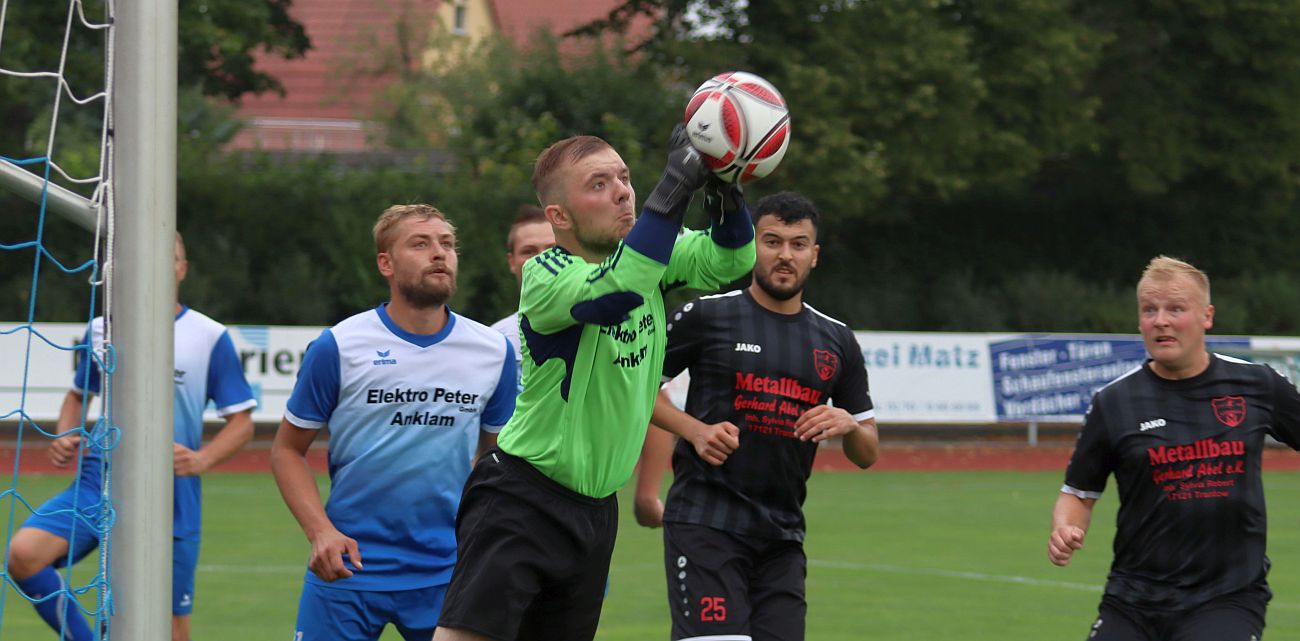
{"points": [[985, 156], [896, 101], [1197, 88], [496, 106], [217, 40]]}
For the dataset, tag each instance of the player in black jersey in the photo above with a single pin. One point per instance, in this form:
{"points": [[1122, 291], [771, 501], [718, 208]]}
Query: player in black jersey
{"points": [[1183, 435], [763, 365]]}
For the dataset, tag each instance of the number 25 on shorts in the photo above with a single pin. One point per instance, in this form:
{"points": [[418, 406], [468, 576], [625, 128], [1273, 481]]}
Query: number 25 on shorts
{"points": [[713, 608]]}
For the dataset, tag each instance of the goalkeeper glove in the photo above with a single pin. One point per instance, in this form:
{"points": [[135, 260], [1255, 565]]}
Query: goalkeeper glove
{"points": [[684, 173], [722, 200]]}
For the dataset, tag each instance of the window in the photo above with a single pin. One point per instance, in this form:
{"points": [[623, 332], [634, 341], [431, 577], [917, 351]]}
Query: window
{"points": [[458, 18]]}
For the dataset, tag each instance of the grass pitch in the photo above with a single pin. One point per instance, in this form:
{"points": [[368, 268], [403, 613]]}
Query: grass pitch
{"points": [[893, 556]]}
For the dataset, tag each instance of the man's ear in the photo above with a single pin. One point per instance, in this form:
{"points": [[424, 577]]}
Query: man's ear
{"points": [[558, 216]]}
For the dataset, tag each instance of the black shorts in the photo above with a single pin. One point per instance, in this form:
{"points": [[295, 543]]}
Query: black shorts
{"points": [[532, 555], [734, 588], [1233, 617]]}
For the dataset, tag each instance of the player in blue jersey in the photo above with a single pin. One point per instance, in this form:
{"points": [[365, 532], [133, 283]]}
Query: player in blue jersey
{"points": [[207, 368], [411, 393], [529, 236]]}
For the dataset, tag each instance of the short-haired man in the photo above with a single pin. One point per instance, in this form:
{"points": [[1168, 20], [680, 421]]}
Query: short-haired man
{"points": [[538, 519], [529, 236], [409, 391], [763, 365], [207, 368], [1184, 436]]}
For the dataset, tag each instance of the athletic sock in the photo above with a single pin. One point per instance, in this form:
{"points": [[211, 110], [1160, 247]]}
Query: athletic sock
{"points": [[48, 581]]}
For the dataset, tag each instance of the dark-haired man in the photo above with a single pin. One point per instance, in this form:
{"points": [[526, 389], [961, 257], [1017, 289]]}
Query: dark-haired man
{"points": [[763, 364]]}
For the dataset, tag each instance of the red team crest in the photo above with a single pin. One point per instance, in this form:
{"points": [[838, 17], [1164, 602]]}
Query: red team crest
{"points": [[1230, 410], [827, 362]]}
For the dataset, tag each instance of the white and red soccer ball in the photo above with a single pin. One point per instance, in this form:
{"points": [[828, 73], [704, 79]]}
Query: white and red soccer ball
{"points": [[740, 124]]}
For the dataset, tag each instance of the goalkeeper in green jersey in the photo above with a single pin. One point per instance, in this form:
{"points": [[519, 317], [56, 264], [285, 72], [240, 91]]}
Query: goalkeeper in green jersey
{"points": [[538, 517]]}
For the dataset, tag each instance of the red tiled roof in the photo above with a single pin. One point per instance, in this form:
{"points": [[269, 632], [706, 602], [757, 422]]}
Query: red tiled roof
{"points": [[326, 98], [320, 85], [520, 19]]}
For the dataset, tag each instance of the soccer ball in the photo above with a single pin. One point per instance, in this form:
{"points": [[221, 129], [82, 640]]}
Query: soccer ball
{"points": [[740, 124]]}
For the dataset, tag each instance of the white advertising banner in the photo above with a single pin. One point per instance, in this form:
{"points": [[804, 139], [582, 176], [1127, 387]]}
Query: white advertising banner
{"points": [[45, 370], [915, 377], [929, 377], [270, 356]]}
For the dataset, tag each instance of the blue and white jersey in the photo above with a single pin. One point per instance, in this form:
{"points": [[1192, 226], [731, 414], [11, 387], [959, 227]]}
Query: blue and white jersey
{"points": [[509, 327], [404, 412], [206, 368]]}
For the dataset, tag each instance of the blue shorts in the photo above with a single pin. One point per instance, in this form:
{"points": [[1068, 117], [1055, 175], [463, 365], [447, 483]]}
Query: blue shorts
{"points": [[73, 514], [329, 614], [185, 560]]}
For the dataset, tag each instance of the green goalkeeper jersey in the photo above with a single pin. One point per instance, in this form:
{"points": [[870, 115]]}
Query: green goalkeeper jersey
{"points": [[592, 338]]}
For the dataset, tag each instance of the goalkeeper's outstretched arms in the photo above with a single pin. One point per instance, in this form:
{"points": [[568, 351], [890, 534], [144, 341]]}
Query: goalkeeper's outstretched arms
{"points": [[710, 259]]}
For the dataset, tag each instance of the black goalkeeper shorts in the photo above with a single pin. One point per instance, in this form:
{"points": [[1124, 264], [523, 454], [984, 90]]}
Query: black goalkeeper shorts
{"points": [[532, 555]]}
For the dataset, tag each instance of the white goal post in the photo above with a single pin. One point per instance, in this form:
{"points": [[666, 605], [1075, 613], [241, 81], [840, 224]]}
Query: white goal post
{"points": [[143, 116]]}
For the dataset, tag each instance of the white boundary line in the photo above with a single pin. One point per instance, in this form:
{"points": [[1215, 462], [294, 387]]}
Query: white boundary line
{"points": [[294, 570], [955, 574], [979, 576]]}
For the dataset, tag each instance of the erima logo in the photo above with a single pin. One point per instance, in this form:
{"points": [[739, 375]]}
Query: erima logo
{"points": [[749, 347], [384, 359], [1151, 425]]}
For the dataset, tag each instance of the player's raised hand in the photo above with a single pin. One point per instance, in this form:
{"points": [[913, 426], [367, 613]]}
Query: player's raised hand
{"points": [[722, 199], [187, 462], [684, 173], [714, 443], [1063, 542], [327, 551], [63, 450], [823, 422]]}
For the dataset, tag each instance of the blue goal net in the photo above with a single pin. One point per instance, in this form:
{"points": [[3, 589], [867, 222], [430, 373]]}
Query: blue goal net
{"points": [[57, 433]]}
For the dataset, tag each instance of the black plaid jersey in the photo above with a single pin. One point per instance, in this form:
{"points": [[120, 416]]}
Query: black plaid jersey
{"points": [[760, 370], [1186, 456]]}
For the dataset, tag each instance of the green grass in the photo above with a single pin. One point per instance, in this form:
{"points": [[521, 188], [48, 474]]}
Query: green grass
{"points": [[892, 557]]}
